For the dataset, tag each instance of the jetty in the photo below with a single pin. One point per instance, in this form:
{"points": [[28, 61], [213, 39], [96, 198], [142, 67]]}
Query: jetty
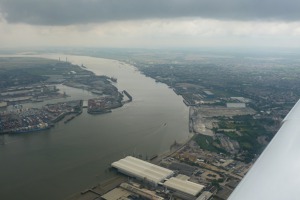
{"points": [[128, 95]]}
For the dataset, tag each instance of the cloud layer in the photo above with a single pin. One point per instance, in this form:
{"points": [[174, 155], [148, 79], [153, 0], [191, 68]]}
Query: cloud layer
{"points": [[155, 34], [68, 12]]}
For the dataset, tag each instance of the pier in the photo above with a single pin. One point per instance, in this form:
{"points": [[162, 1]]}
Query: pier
{"points": [[128, 95], [73, 117]]}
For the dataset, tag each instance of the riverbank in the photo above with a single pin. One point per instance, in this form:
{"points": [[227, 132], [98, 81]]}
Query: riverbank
{"points": [[75, 155], [25, 120], [103, 187]]}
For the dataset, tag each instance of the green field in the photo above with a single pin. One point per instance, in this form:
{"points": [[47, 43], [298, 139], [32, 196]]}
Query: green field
{"points": [[207, 143]]}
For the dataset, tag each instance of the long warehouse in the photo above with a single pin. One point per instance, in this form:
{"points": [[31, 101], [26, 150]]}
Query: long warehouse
{"points": [[185, 186], [142, 170]]}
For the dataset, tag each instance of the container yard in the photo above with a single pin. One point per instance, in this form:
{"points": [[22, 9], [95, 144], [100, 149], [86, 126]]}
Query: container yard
{"points": [[35, 119]]}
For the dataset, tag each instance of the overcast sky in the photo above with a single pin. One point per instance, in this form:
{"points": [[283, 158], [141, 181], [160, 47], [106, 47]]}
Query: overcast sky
{"points": [[150, 23]]}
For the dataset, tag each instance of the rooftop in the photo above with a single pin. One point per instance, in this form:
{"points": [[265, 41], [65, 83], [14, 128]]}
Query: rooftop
{"points": [[142, 169], [184, 186]]}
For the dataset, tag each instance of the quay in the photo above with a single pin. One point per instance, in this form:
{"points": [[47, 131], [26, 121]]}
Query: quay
{"points": [[128, 95]]}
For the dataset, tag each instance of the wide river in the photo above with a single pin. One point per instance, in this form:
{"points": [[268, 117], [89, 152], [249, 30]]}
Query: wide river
{"points": [[56, 163]]}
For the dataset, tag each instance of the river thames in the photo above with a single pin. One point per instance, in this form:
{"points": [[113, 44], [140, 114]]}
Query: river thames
{"points": [[67, 159]]}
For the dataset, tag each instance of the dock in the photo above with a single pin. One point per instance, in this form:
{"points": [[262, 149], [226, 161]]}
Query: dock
{"points": [[128, 95]]}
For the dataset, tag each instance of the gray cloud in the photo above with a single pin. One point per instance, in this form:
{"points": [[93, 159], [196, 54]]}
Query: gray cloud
{"points": [[67, 12]]}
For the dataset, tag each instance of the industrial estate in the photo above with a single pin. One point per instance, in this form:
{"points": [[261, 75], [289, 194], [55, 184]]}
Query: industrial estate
{"points": [[35, 80], [147, 181]]}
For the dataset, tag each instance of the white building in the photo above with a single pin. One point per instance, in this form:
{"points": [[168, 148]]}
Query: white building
{"points": [[204, 196], [3, 104], [185, 186], [142, 170], [235, 105]]}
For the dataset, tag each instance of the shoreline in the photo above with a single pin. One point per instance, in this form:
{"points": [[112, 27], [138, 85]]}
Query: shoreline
{"points": [[108, 184], [171, 133], [155, 158]]}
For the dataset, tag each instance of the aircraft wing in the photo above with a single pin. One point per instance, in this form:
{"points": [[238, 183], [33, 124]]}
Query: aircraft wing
{"points": [[276, 173]]}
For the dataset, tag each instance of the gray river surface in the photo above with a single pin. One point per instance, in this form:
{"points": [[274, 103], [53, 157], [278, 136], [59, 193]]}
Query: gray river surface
{"points": [[56, 163]]}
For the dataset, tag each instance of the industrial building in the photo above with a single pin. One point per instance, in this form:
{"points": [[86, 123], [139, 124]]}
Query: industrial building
{"points": [[185, 186], [3, 104], [208, 94], [127, 191], [115, 194], [235, 105], [142, 170], [241, 99], [146, 194], [205, 196]]}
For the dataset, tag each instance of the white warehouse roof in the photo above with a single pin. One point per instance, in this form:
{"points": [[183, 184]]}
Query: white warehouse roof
{"points": [[187, 187], [236, 105], [142, 170]]}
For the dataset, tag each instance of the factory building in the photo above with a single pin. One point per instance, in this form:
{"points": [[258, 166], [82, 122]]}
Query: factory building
{"points": [[142, 170], [126, 191], [3, 104], [208, 94], [205, 196], [235, 105], [184, 186]]}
